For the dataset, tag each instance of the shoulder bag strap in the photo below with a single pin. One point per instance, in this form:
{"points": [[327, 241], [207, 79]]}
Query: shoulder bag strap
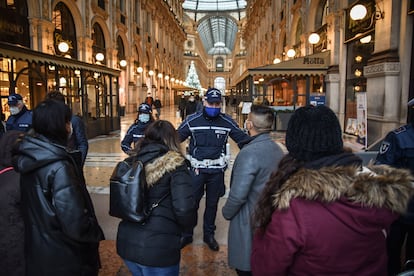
{"points": [[6, 170], [155, 204]]}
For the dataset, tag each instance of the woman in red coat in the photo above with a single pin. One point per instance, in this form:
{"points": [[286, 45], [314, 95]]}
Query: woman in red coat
{"points": [[321, 212]]}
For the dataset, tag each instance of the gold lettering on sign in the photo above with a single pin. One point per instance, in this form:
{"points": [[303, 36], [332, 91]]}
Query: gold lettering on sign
{"points": [[313, 61], [10, 28]]}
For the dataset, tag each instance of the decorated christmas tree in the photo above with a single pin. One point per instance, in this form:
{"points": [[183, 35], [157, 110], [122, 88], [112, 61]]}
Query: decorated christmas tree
{"points": [[192, 77]]}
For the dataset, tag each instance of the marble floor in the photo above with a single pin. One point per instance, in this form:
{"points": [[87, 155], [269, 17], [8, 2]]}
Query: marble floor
{"points": [[104, 153]]}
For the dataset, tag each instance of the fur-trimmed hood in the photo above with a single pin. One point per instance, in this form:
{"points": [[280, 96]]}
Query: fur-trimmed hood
{"points": [[374, 186], [158, 167]]}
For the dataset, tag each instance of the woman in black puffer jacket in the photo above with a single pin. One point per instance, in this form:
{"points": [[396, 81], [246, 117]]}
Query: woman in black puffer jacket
{"points": [[62, 233], [153, 248]]}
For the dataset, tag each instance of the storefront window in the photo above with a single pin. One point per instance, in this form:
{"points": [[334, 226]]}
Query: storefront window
{"points": [[358, 55]]}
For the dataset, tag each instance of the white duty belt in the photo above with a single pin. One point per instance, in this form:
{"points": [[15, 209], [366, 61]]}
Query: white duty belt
{"points": [[218, 163]]}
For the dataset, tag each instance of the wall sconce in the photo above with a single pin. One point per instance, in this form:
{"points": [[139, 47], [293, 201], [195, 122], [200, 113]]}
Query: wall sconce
{"points": [[159, 75], [139, 69], [358, 59], [291, 53], [177, 81], [357, 73], [167, 77], [276, 61], [100, 57], [77, 72], [261, 80], [151, 73], [172, 79], [63, 46], [314, 38], [123, 63], [256, 82]]}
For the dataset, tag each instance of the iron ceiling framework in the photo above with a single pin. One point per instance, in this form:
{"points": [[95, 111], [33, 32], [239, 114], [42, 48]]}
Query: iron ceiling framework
{"points": [[217, 22]]}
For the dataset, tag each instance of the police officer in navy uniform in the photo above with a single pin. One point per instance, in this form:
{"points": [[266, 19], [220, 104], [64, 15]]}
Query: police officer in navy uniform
{"points": [[209, 156], [397, 150], [21, 117], [136, 130]]}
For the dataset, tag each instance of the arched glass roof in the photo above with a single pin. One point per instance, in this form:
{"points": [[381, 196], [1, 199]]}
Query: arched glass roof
{"points": [[217, 22], [214, 5]]}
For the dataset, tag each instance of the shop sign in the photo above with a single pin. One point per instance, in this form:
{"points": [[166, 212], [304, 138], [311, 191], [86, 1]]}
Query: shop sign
{"points": [[316, 100], [313, 60], [14, 28]]}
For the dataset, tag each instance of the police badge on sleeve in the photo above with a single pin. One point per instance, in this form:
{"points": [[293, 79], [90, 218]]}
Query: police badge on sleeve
{"points": [[384, 147]]}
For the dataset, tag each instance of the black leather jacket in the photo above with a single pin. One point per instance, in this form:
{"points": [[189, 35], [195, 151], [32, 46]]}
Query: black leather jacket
{"points": [[157, 242], [62, 232]]}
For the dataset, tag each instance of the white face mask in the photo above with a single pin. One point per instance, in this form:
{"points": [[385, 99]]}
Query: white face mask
{"points": [[144, 118], [14, 110]]}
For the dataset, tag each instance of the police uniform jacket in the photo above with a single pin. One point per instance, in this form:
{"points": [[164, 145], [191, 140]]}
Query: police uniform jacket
{"points": [[397, 150], [22, 121], [134, 133], [62, 232], [208, 136], [157, 242]]}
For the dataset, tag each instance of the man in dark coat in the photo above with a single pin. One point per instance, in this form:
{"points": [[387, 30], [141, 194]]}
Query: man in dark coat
{"points": [[397, 150], [21, 117]]}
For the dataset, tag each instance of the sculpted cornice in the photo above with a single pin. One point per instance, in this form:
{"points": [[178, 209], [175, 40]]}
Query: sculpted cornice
{"points": [[382, 69]]}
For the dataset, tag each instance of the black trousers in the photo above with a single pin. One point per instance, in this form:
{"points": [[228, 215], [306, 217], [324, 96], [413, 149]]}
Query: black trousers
{"points": [[400, 231]]}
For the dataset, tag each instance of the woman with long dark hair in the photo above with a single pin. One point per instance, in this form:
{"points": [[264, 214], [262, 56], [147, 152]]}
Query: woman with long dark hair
{"points": [[154, 248], [62, 233], [322, 212]]}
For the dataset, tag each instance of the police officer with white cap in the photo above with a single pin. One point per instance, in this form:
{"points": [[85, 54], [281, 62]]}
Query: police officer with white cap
{"points": [[136, 130], [397, 150], [21, 117], [208, 131]]}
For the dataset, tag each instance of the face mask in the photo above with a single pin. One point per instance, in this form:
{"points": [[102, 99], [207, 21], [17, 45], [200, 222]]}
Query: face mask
{"points": [[14, 110], [70, 131], [144, 118], [245, 128], [212, 111]]}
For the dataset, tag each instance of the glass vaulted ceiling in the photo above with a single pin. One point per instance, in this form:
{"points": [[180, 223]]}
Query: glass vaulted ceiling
{"points": [[217, 22]]}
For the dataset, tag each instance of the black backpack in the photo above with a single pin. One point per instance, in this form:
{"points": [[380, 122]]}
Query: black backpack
{"points": [[127, 189], [127, 192]]}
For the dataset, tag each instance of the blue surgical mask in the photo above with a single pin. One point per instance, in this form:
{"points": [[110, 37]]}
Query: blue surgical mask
{"points": [[212, 111], [144, 118]]}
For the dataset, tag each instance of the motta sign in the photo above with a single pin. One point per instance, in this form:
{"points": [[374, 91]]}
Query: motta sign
{"points": [[313, 60]]}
